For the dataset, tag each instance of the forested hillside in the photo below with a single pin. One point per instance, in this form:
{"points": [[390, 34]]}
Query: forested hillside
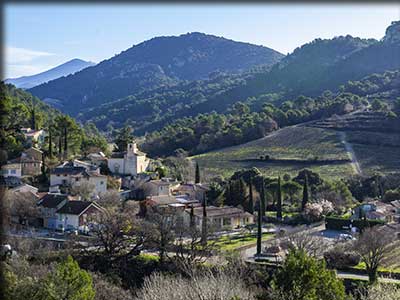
{"points": [[257, 116], [159, 62], [311, 69]]}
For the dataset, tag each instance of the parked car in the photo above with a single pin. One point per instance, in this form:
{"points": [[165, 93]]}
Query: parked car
{"points": [[346, 237]]}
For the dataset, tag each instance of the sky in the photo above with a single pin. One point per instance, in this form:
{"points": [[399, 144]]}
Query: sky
{"points": [[41, 36]]}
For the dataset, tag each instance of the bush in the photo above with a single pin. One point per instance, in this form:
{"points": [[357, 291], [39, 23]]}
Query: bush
{"points": [[337, 258]]}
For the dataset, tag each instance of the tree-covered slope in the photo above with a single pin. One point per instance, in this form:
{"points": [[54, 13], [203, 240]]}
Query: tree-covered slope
{"points": [[161, 61], [309, 70]]}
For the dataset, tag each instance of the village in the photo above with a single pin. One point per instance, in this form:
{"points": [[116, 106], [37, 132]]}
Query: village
{"points": [[66, 205], [75, 185]]}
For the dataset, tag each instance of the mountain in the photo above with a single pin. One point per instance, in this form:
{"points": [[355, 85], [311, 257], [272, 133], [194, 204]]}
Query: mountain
{"points": [[70, 67], [161, 61], [311, 69]]}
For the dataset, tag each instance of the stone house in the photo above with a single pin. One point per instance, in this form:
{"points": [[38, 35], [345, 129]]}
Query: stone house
{"points": [[221, 218]]}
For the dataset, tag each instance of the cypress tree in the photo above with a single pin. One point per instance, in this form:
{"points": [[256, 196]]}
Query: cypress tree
{"points": [[305, 194], [65, 142], [259, 230], [240, 196], [50, 144], [197, 175], [279, 200], [251, 203], [60, 145], [262, 204], [204, 223]]}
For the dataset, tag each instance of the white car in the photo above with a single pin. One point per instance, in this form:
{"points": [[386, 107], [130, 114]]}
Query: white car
{"points": [[346, 237]]}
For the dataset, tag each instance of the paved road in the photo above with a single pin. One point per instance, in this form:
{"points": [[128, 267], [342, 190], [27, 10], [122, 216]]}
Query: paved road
{"points": [[348, 275]]}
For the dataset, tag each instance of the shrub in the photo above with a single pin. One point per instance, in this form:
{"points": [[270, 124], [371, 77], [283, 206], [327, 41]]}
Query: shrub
{"points": [[337, 258]]}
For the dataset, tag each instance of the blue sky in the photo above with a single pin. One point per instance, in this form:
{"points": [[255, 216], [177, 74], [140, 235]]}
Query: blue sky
{"points": [[41, 36]]}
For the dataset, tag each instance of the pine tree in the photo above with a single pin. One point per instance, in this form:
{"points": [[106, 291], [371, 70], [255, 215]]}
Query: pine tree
{"points": [[305, 194], [250, 207], [259, 229], [59, 146], [279, 200], [197, 175]]}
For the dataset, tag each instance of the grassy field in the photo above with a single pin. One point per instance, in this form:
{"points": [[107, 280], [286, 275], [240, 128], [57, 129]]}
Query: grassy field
{"points": [[226, 243], [303, 144]]}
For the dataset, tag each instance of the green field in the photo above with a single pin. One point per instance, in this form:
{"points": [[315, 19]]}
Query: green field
{"points": [[307, 147], [296, 143], [227, 243]]}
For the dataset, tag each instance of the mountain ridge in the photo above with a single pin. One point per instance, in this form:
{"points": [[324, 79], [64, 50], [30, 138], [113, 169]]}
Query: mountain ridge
{"points": [[72, 66], [161, 61]]}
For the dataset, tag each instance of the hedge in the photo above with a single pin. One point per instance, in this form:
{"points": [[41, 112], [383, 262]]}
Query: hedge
{"points": [[338, 223]]}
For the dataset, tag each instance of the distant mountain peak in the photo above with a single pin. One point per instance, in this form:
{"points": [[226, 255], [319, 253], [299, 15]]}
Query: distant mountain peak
{"points": [[70, 67]]}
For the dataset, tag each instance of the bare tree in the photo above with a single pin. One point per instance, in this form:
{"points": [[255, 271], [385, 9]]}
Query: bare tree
{"points": [[106, 290], [22, 205], [199, 287], [303, 240], [381, 292], [83, 189], [190, 250], [373, 245], [109, 199], [161, 230], [116, 234]]}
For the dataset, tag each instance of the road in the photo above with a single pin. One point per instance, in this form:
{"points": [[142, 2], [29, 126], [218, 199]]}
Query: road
{"points": [[350, 152], [348, 275]]}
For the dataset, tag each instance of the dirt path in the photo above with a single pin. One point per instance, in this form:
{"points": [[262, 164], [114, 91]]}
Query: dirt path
{"points": [[350, 152]]}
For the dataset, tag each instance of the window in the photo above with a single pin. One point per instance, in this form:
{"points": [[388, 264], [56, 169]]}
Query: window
{"points": [[77, 179], [227, 221], [101, 182], [13, 172]]}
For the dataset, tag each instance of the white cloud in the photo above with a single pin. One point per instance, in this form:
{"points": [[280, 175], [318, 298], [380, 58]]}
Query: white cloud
{"points": [[16, 55], [22, 62]]}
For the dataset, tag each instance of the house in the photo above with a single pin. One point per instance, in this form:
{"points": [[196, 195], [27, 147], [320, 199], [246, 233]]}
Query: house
{"points": [[12, 169], [130, 162], [161, 187], [97, 159], [68, 176], [33, 137], [191, 190], [31, 161], [376, 210], [221, 218], [48, 205], [24, 188], [74, 215], [10, 181]]}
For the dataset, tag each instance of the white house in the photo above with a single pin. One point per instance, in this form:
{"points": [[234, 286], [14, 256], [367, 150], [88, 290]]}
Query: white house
{"points": [[74, 215], [130, 162], [12, 169], [73, 176]]}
